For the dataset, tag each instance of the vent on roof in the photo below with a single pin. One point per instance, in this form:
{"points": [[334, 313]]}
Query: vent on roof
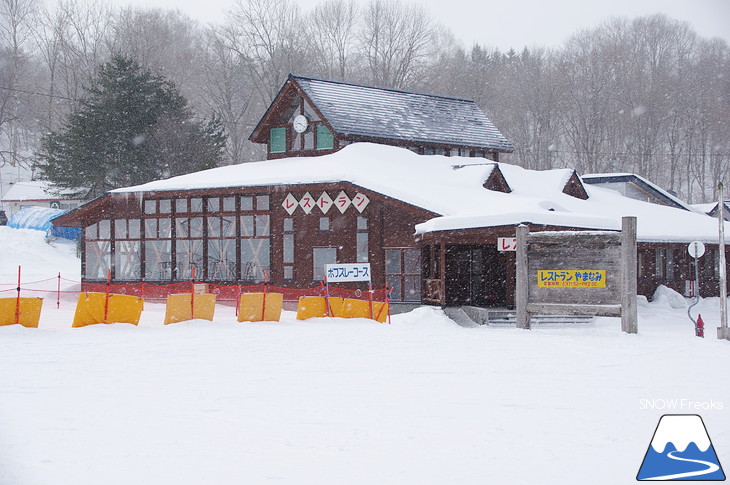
{"points": [[496, 181], [574, 187]]}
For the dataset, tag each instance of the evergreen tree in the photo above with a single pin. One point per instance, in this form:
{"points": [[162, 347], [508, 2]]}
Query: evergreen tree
{"points": [[132, 127]]}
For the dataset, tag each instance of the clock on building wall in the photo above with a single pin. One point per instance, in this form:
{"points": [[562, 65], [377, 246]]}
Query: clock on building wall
{"points": [[300, 123]]}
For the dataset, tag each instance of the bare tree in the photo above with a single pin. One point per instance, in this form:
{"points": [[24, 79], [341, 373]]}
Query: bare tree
{"points": [[228, 90], [268, 34], [397, 41], [331, 38]]}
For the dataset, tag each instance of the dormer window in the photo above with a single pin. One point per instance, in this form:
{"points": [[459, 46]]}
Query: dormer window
{"points": [[574, 187], [496, 181]]}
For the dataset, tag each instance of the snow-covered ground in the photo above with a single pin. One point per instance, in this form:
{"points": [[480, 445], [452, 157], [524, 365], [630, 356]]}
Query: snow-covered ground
{"points": [[420, 401]]}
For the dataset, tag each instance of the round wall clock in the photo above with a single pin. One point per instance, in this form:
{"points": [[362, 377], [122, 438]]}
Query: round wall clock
{"points": [[300, 123]]}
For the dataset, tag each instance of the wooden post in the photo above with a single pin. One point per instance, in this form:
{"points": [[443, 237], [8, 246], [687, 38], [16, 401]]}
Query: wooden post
{"points": [[629, 319], [522, 277]]}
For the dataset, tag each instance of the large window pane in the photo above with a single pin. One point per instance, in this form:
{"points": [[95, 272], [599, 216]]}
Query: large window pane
{"points": [[255, 259], [394, 285], [120, 229], [127, 264], [98, 259], [392, 261], [288, 256], [134, 232], [222, 259], [262, 226], [412, 261], [157, 260], [362, 247], [321, 257], [189, 254]]}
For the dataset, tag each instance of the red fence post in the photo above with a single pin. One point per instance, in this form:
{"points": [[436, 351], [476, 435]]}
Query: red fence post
{"points": [[58, 292], [370, 292], [266, 284], [106, 299], [17, 301], [192, 293]]}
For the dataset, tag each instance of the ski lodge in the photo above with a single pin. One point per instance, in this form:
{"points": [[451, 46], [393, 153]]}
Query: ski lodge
{"points": [[409, 182]]}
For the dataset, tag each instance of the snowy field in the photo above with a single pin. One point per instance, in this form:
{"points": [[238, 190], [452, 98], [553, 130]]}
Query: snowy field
{"points": [[334, 401]]}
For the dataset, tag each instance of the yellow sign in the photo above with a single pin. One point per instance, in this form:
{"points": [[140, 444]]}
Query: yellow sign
{"points": [[572, 278]]}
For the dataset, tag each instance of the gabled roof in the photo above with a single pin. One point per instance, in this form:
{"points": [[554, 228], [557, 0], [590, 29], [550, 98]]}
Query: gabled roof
{"points": [[649, 191], [355, 110], [39, 191], [453, 187]]}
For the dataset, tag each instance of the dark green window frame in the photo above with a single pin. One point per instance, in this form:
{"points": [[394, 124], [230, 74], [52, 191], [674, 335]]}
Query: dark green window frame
{"points": [[277, 140], [325, 139]]}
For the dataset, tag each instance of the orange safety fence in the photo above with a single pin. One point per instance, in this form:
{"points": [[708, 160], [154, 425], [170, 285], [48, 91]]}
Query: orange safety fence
{"points": [[223, 292]]}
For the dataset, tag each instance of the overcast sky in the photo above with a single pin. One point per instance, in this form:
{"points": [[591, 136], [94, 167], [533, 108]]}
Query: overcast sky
{"points": [[514, 23]]}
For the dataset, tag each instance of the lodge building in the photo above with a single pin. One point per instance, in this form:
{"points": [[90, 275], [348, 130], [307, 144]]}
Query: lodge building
{"points": [[409, 182]]}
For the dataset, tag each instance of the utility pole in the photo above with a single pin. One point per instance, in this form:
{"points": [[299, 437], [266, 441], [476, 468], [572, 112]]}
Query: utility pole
{"points": [[722, 332]]}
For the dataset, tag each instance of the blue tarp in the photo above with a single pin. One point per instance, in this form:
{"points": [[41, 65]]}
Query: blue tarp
{"points": [[40, 219]]}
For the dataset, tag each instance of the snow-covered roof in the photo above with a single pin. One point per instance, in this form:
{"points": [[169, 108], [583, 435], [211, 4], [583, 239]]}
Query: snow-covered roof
{"points": [[368, 111], [453, 188], [36, 191], [656, 192]]}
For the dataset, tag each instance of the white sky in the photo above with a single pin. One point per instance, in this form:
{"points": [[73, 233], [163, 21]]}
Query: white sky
{"points": [[514, 23]]}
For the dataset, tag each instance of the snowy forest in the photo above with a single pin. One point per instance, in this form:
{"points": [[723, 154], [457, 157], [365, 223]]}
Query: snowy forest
{"points": [[646, 95]]}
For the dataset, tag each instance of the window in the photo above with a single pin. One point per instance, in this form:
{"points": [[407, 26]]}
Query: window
{"points": [[321, 257], [403, 273], [324, 223], [262, 202], [165, 206], [361, 240], [325, 140], [221, 247], [277, 140], [288, 250], [255, 246], [127, 244], [157, 248], [98, 251], [664, 259]]}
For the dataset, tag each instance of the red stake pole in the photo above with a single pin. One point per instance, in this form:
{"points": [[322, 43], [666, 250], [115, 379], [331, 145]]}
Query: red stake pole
{"points": [[17, 301], [370, 292], [387, 300], [192, 294], [327, 296], [106, 299], [266, 285], [58, 292]]}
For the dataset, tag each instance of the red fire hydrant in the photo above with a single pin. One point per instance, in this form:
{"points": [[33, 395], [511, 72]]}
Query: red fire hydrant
{"points": [[700, 328]]}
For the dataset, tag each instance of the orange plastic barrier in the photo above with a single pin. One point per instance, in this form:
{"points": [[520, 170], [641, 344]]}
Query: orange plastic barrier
{"points": [[29, 312], [180, 307], [94, 308], [380, 311], [256, 307], [311, 307], [317, 306], [356, 308]]}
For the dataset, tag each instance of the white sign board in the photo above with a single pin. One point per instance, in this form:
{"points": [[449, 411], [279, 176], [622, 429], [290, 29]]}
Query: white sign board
{"points": [[507, 244], [342, 272], [696, 249]]}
